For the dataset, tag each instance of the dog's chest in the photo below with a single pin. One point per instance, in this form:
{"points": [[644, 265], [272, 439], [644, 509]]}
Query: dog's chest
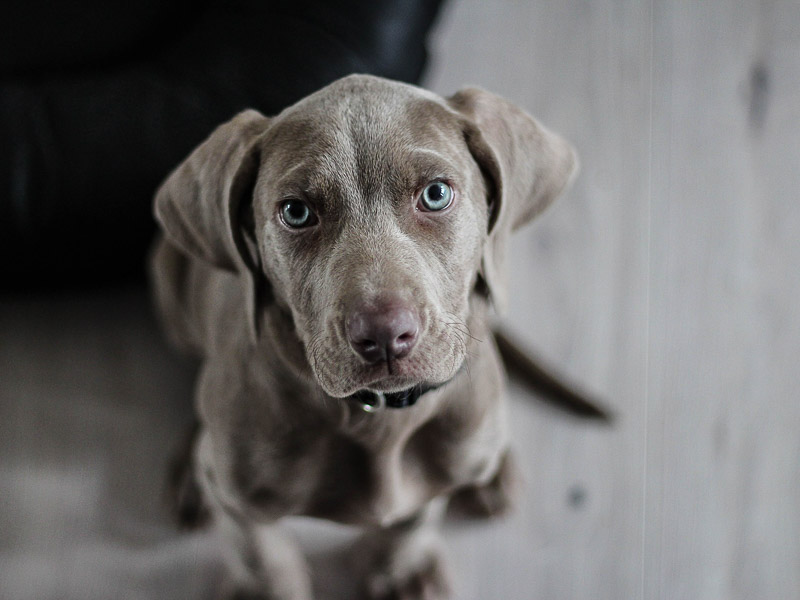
{"points": [[369, 476]]}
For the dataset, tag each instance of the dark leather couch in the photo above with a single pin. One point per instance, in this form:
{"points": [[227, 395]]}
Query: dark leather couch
{"points": [[100, 100]]}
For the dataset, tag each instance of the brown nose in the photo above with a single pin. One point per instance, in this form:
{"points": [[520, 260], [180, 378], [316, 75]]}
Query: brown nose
{"points": [[386, 332]]}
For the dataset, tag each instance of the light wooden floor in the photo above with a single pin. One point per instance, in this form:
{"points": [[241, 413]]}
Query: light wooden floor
{"points": [[667, 281]]}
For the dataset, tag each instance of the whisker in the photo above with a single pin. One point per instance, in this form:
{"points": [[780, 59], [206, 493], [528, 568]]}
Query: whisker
{"points": [[461, 325]]}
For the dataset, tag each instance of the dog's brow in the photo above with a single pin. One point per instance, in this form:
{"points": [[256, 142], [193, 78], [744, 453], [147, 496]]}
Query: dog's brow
{"points": [[311, 176], [430, 153], [429, 164], [291, 176]]}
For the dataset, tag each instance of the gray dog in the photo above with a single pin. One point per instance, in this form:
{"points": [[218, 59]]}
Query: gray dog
{"points": [[333, 267]]}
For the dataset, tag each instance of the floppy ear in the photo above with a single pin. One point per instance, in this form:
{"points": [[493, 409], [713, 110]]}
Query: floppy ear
{"points": [[526, 165], [202, 203]]}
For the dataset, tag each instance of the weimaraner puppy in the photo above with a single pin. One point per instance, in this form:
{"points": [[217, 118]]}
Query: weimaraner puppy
{"points": [[333, 267]]}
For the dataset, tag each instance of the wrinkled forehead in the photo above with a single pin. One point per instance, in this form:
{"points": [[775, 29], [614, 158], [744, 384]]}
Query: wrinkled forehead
{"points": [[362, 142]]}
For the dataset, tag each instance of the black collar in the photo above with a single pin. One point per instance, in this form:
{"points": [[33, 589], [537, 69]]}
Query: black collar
{"points": [[374, 401]]}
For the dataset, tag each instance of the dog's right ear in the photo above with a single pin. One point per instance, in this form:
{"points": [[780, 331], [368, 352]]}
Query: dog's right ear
{"points": [[526, 167], [201, 204]]}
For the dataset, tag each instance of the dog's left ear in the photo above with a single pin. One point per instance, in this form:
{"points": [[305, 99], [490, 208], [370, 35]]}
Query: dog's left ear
{"points": [[526, 167], [205, 204]]}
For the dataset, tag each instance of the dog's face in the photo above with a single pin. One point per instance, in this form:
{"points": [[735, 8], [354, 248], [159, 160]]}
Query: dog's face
{"points": [[370, 219], [373, 209]]}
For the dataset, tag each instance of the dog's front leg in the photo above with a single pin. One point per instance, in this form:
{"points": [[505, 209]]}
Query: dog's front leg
{"points": [[405, 560], [264, 562]]}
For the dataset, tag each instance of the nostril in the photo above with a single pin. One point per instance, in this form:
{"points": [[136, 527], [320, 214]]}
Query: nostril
{"points": [[402, 345], [366, 345]]}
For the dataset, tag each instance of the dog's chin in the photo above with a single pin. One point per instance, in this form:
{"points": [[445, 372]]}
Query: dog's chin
{"points": [[385, 384], [389, 385]]}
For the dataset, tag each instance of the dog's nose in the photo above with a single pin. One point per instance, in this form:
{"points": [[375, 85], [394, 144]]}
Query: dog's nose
{"points": [[385, 332]]}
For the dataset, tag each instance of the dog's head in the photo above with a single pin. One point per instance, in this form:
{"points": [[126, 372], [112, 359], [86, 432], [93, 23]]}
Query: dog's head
{"points": [[369, 213]]}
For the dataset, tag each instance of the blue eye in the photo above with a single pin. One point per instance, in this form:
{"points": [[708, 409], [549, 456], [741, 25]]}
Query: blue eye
{"points": [[297, 214], [437, 195]]}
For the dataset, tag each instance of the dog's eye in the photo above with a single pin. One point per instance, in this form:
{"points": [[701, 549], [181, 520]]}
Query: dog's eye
{"points": [[297, 214], [436, 196]]}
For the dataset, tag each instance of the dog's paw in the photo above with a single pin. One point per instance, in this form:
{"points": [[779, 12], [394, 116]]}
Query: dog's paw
{"points": [[493, 499], [427, 581]]}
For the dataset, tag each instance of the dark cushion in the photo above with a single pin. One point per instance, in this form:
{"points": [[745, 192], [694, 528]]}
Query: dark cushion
{"points": [[99, 101]]}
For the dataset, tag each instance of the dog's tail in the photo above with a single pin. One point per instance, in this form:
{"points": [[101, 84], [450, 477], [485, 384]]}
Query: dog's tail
{"points": [[551, 387]]}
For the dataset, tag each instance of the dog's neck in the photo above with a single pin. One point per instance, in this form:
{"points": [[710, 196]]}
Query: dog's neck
{"points": [[374, 401]]}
